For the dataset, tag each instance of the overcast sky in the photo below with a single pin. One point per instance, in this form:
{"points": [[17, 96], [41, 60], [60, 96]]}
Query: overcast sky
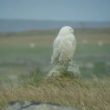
{"points": [[74, 10]]}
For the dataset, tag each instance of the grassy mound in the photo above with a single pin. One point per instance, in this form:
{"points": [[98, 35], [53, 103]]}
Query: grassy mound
{"points": [[89, 94]]}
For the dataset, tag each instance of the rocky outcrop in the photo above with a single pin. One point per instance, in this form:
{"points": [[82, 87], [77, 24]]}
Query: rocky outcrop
{"points": [[27, 105], [58, 70]]}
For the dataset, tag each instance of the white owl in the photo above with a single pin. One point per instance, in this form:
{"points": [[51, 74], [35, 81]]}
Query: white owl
{"points": [[64, 46]]}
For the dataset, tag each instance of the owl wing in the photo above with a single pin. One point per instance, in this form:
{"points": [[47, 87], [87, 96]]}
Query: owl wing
{"points": [[56, 51], [63, 49], [68, 46]]}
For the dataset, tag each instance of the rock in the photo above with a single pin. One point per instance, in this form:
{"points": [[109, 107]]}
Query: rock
{"points": [[56, 71], [27, 105], [72, 70]]}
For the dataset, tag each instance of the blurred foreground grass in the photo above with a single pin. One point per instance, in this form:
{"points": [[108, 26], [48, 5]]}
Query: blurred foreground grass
{"points": [[87, 94]]}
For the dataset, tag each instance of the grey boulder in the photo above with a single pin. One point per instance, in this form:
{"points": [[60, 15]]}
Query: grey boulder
{"points": [[27, 105]]}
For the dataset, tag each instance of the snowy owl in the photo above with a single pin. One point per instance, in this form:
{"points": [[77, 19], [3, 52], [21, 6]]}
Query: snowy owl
{"points": [[64, 46]]}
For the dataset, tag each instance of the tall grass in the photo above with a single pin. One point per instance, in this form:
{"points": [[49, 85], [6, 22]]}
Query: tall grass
{"points": [[92, 94]]}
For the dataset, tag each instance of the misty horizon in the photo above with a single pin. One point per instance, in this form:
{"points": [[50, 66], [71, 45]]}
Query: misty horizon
{"points": [[18, 25]]}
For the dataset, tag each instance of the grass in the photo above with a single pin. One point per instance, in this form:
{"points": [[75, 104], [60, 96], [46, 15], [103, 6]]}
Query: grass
{"points": [[87, 94]]}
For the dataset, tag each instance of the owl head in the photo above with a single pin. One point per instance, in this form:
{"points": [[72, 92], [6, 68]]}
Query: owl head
{"points": [[66, 30]]}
